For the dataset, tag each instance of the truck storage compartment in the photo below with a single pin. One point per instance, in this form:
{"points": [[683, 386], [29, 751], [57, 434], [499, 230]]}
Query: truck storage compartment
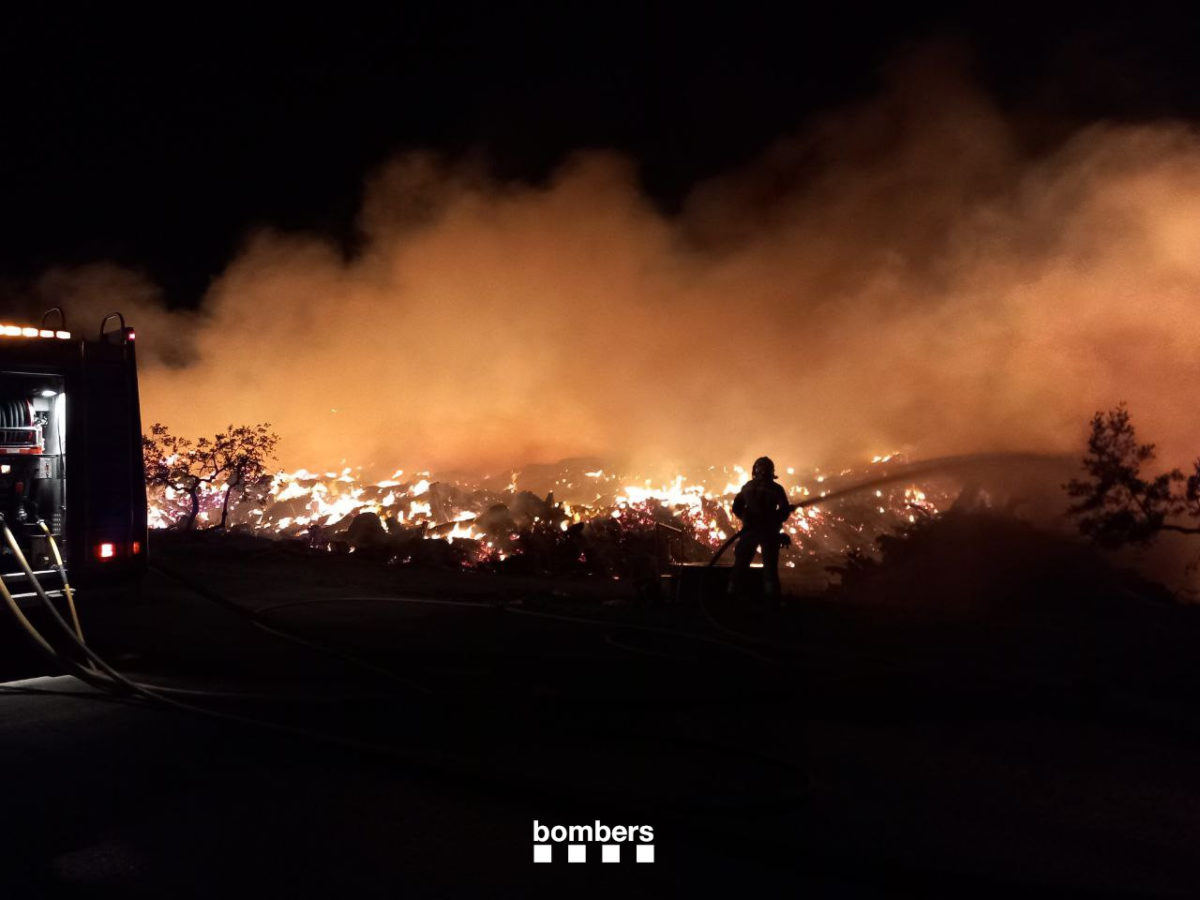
{"points": [[32, 463]]}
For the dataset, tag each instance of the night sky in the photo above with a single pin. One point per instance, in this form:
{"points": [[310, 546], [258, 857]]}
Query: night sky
{"points": [[158, 143]]}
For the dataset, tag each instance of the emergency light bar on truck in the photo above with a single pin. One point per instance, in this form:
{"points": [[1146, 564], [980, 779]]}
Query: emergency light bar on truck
{"points": [[18, 331], [71, 454]]}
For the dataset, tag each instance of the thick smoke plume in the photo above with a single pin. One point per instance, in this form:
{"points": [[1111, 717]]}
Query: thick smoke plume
{"points": [[899, 276]]}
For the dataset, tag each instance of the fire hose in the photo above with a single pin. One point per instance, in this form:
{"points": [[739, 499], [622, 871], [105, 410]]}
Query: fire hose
{"points": [[108, 680], [813, 501], [98, 673], [104, 677], [107, 677], [62, 573], [938, 465], [941, 464], [84, 673]]}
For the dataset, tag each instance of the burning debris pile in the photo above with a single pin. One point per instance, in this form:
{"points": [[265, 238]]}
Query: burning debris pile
{"points": [[572, 517]]}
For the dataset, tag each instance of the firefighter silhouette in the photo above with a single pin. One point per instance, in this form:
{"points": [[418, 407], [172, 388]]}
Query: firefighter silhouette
{"points": [[763, 507]]}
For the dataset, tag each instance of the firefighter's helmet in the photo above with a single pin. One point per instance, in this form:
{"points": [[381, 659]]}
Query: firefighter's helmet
{"points": [[763, 468]]}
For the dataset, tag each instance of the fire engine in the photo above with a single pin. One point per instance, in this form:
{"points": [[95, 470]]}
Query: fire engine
{"points": [[71, 475]]}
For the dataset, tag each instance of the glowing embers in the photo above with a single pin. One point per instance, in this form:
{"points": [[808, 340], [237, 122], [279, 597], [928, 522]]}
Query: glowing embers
{"points": [[490, 519]]}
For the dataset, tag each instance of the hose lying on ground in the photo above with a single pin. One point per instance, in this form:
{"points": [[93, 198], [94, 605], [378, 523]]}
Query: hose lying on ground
{"points": [[109, 680]]}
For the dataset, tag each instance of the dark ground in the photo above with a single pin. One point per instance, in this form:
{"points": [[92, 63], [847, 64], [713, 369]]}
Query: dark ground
{"points": [[854, 746]]}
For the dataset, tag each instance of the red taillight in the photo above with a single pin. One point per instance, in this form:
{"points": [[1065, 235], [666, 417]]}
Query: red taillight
{"points": [[135, 548], [106, 551]]}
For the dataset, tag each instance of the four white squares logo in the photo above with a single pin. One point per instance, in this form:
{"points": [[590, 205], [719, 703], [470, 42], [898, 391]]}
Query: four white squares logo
{"points": [[577, 837]]}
